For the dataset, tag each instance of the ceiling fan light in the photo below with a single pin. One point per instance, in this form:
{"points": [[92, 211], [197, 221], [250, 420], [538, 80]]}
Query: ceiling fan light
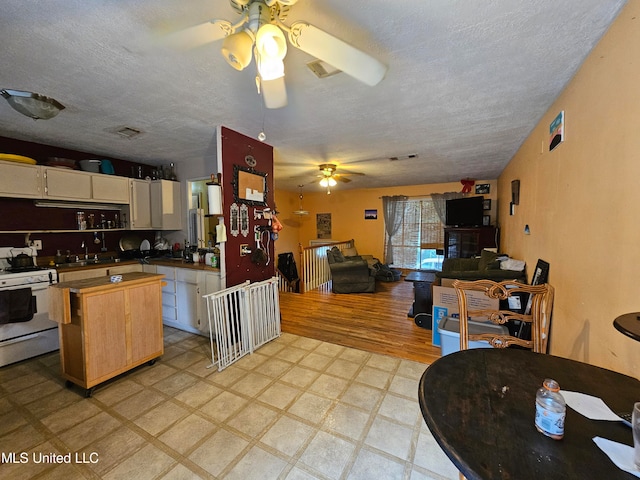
{"points": [[32, 104], [270, 68], [271, 42], [324, 182], [237, 48], [332, 182]]}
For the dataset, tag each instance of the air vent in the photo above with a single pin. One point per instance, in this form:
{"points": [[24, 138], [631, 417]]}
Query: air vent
{"points": [[404, 157], [128, 132], [322, 69]]}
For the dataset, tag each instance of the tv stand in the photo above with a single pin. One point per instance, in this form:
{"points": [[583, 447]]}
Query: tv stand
{"points": [[467, 242]]}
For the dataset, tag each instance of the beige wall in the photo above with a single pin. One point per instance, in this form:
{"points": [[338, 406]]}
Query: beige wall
{"points": [[347, 213], [581, 202]]}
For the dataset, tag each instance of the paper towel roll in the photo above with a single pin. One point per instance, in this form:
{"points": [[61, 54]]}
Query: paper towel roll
{"points": [[221, 233], [214, 194]]}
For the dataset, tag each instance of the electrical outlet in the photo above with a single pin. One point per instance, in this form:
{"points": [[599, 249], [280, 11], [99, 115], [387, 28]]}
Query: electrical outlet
{"points": [[37, 244], [244, 249]]}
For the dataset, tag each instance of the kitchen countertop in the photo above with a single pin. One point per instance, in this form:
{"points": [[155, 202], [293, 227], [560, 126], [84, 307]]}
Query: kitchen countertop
{"points": [[166, 262], [89, 285]]}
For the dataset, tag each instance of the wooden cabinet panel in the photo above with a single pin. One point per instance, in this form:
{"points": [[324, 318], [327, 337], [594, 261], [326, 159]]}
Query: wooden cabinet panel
{"points": [[105, 329], [109, 188], [140, 205], [146, 330], [67, 184], [166, 205], [20, 180]]}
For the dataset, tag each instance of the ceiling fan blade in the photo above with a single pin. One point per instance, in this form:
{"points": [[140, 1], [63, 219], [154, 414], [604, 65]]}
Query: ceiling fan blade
{"points": [[274, 93], [342, 179], [198, 35], [336, 52]]}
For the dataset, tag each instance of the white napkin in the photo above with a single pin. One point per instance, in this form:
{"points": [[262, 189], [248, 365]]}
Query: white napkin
{"points": [[591, 407], [618, 453], [221, 233]]}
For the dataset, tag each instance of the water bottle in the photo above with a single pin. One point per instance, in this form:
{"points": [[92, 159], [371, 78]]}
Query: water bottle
{"points": [[550, 410]]}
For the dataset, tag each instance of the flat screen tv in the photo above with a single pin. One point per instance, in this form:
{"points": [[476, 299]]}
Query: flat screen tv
{"points": [[464, 212]]}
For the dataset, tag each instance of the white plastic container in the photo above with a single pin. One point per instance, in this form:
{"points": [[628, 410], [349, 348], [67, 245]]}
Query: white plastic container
{"points": [[449, 328]]}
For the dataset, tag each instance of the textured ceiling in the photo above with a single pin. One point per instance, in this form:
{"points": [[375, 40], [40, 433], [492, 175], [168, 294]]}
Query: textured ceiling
{"points": [[467, 82]]}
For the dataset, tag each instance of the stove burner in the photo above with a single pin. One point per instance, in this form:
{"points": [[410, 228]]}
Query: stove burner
{"points": [[32, 268]]}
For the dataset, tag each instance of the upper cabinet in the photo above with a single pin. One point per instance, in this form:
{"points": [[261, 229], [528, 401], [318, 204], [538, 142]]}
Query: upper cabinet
{"points": [[65, 184], [140, 204], [20, 180], [109, 188], [166, 205]]}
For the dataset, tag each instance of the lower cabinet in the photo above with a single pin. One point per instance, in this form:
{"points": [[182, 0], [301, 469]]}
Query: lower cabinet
{"points": [[182, 304]]}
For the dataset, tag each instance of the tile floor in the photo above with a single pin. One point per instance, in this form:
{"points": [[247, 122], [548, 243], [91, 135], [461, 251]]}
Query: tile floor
{"points": [[297, 408]]}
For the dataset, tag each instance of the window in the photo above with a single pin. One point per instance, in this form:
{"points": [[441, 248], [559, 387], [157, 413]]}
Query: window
{"points": [[418, 242]]}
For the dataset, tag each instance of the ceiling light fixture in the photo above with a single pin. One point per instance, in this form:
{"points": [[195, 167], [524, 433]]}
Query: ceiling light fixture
{"points": [[301, 211], [32, 104]]}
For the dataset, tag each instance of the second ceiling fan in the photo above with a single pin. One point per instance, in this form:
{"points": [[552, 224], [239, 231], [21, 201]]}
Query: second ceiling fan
{"points": [[260, 33]]}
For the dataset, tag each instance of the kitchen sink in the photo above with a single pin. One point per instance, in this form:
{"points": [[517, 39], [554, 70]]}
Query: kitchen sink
{"points": [[87, 263]]}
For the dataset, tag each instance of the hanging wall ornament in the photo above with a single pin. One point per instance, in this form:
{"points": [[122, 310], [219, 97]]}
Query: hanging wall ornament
{"points": [[234, 215], [244, 220], [467, 184]]}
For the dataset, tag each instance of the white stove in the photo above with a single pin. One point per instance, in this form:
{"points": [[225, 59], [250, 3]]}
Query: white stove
{"points": [[25, 327]]}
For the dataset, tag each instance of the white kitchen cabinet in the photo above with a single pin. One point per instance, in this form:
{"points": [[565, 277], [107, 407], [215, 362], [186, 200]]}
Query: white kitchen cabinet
{"points": [[182, 304], [140, 204], [20, 180], [166, 205], [65, 184], [110, 189]]}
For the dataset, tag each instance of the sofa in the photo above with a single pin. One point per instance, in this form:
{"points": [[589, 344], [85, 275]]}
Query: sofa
{"points": [[350, 273], [488, 266]]}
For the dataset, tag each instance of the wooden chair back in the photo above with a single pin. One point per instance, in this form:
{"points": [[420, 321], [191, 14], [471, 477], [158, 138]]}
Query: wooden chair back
{"points": [[536, 312]]}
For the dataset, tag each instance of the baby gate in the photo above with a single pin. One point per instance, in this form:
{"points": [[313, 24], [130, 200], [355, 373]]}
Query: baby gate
{"points": [[242, 318]]}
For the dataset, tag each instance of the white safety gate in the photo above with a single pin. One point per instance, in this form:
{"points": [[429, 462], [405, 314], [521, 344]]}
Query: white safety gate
{"points": [[242, 319]]}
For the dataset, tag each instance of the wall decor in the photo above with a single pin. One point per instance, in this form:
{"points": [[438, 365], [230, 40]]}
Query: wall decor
{"points": [[515, 192], [483, 188], [323, 225], [371, 214], [234, 219], [486, 204], [249, 186], [244, 220], [486, 220], [556, 131]]}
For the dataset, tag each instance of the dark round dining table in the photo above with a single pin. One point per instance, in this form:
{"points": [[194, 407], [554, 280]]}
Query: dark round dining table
{"points": [[479, 404]]}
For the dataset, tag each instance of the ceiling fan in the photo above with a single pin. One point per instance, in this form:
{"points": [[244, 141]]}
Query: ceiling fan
{"points": [[330, 176], [260, 33]]}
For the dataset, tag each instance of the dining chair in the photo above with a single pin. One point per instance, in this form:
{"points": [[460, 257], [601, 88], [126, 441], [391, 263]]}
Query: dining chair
{"points": [[530, 304]]}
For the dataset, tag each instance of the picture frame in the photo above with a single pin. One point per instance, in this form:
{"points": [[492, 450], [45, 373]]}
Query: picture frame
{"points": [[486, 204], [371, 214], [249, 186], [483, 188], [486, 220]]}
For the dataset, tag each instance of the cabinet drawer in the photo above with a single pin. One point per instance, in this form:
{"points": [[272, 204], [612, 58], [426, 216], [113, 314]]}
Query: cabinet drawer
{"points": [[169, 287], [168, 272], [187, 275], [169, 313], [168, 300]]}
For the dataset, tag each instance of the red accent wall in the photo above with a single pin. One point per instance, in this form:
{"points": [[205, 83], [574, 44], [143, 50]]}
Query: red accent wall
{"points": [[235, 147]]}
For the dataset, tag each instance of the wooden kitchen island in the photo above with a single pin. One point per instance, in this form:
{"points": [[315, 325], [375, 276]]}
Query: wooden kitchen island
{"points": [[107, 328]]}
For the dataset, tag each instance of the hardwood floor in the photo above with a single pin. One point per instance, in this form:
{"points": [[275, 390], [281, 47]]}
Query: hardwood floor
{"points": [[375, 322]]}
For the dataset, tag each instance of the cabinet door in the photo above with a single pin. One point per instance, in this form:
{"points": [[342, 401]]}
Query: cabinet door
{"points": [[146, 322], [108, 188], [19, 180], [140, 202], [105, 334], [188, 297], [166, 205], [120, 269], [66, 184]]}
